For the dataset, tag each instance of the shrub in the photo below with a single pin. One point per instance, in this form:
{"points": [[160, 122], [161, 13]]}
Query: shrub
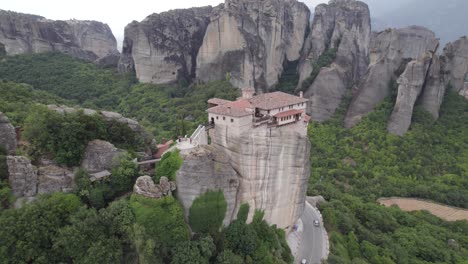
{"points": [[207, 212]]}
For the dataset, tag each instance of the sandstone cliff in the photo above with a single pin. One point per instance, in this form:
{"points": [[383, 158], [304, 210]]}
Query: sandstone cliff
{"points": [[390, 51], [265, 167], [163, 47], [343, 25], [250, 40], [88, 40], [7, 135]]}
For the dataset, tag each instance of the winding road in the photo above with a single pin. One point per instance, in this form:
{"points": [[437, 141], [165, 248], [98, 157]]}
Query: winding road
{"points": [[313, 246]]}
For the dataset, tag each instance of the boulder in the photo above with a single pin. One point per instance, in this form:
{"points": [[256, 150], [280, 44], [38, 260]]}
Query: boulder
{"points": [[343, 25], [100, 156], [410, 87], [163, 47], [145, 186], [390, 52], [250, 40], [23, 33], [7, 135], [455, 66], [22, 176], [53, 178]]}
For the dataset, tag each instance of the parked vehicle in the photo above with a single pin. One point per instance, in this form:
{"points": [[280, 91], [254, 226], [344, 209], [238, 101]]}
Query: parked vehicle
{"points": [[316, 223]]}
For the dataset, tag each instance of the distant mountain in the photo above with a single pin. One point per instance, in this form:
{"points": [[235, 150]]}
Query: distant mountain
{"points": [[446, 18]]}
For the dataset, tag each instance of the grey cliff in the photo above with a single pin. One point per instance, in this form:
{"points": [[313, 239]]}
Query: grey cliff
{"points": [[456, 66], [88, 40], [100, 156], [248, 42], [7, 135], [345, 26], [390, 52], [163, 47]]}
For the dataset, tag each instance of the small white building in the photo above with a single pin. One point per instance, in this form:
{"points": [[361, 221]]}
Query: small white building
{"points": [[271, 109]]}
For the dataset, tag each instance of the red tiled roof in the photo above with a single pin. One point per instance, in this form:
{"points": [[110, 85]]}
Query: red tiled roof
{"points": [[306, 118], [234, 109], [269, 101], [218, 101], [288, 113]]}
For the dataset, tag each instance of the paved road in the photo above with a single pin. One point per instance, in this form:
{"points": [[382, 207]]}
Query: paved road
{"points": [[313, 244]]}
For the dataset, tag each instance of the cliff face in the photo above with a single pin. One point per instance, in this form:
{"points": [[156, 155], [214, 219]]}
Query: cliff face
{"points": [[265, 167], [88, 40], [163, 48], [343, 25], [7, 135], [250, 40], [455, 65], [390, 52]]}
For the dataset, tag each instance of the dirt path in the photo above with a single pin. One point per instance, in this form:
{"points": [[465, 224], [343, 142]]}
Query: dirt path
{"points": [[447, 213]]}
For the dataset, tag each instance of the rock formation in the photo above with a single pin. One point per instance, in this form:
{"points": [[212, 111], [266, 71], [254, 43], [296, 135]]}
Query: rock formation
{"points": [[100, 156], [410, 87], [204, 169], [88, 40], [22, 176], [7, 135], [390, 51], [265, 167], [112, 116], [27, 180], [342, 25], [145, 186], [434, 90], [250, 40], [163, 47], [455, 66]]}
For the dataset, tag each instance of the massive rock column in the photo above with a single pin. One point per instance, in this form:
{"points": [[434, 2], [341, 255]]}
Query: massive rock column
{"points": [[410, 87], [267, 168], [391, 50], [343, 25], [434, 90], [88, 40], [248, 41], [163, 47], [455, 66]]}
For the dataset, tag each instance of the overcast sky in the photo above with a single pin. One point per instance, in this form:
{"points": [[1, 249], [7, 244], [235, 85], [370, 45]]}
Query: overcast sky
{"points": [[115, 13]]}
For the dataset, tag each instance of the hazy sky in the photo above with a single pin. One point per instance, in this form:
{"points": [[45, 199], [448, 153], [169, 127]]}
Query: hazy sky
{"points": [[115, 13]]}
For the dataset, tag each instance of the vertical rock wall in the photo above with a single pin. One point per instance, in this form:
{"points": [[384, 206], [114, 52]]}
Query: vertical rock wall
{"points": [[455, 66], [7, 135]]}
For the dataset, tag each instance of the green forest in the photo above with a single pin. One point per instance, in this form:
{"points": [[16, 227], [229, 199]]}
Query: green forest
{"points": [[102, 222]]}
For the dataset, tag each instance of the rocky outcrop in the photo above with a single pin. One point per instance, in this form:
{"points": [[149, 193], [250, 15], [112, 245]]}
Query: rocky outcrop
{"points": [[100, 156], [145, 186], [455, 66], [434, 90], [53, 178], [22, 176], [207, 168], [23, 33], [7, 135], [250, 40], [112, 116], [390, 52], [344, 26], [163, 47], [410, 87]]}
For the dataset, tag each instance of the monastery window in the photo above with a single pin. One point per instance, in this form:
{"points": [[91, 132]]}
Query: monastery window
{"points": [[217, 117], [232, 120], [268, 111], [290, 107], [224, 118]]}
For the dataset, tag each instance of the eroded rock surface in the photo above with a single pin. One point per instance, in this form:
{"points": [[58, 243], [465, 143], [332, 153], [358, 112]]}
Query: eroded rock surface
{"points": [[434, 89], [343, 25], [163, 47], [145, 186], [100, 156], [390, 51], [204, 169], [53, 178], [250, 40], [456, 66], [22, 176], [410, 87], [7, 135], [23, 33]]}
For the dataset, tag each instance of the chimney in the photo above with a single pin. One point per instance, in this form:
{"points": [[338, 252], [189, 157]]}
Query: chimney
{"points": [[301, 94]]}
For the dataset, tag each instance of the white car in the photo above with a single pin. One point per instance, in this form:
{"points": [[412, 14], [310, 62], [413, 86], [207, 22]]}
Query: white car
{"points": [[316, 223], [304, 261]]}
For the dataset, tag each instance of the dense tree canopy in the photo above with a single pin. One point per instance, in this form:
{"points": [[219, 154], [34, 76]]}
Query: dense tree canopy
{"points": [[207, 212]]}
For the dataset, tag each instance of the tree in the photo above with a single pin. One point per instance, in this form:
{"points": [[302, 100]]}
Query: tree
{"points": [[168, 166], [123, 176], [241, 238], [228, 257], [243, 212], [207, 212]]}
